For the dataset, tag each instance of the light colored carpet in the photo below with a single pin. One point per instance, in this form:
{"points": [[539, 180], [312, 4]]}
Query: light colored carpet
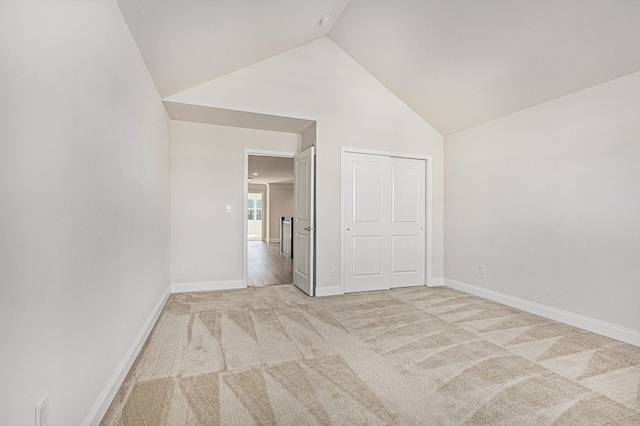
{"points": [[408, 356]]}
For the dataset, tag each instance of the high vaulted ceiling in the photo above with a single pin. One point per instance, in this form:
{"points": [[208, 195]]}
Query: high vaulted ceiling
{"points": [[457, 63], [189, 42]]}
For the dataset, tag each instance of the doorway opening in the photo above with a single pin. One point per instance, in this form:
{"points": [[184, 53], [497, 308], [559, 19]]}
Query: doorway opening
{"points": [[254, 217], [270, 179]]}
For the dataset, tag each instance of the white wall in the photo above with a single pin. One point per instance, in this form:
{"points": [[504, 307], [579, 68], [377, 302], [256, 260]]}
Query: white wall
{"points": [[207, 173], [320, 82], [309, 137], [84, 204], [280, 205], [548, 199]]}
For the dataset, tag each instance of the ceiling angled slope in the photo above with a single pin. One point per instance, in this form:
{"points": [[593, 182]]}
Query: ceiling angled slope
{"points": [[460, 63], [189, 42]]}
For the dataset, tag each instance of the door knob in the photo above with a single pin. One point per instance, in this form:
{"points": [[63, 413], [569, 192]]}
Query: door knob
{"points": [[308, 228]]}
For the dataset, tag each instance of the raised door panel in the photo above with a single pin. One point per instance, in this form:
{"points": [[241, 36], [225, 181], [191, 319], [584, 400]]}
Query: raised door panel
{"points": [[301, 265], [367, 255], [301, 172], [367, 192], [405, 252], [405, 197]]}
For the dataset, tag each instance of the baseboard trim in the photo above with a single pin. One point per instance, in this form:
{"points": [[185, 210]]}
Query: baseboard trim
{"points": [[333, 290], [103, 402], [206, 286], [274, 240], [436, 282], [590, 324]]}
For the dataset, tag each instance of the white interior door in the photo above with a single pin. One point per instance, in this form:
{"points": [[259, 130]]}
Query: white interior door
{"points": [[367, 222], [304, 222], [384, 218], [408, 221]]}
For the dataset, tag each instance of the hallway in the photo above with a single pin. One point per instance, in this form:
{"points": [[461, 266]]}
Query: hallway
{"points": [[266, 266]]}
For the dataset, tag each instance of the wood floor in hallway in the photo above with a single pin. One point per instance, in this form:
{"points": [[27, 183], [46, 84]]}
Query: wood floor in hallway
{"points": [[266, 266]]}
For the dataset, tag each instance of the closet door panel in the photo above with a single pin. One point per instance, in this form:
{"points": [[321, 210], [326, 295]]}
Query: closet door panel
{"points": [[408, 222], [367, 243]]}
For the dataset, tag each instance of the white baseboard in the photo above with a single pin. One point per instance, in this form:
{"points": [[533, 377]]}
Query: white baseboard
{"points": [[103, 402], [206, 286], [596, 326], [274, 240], [333, 290], [436, 282]]}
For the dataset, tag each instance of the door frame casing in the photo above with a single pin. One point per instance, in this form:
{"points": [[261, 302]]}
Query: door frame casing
{"points": [[428, 201], [247, 153]]}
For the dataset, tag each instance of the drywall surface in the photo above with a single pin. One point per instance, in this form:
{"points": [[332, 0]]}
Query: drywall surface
{"points": [[309, 137], [321, 82], [207, 174], [280, 205], [84, 204], [548, 199]]}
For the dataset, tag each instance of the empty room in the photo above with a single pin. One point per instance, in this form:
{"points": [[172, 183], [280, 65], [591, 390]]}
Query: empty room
{"points": [[459, 182]]}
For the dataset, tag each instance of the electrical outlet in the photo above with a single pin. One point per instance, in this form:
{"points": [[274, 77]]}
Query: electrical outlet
{"points": [[481, 270], [229, 208], [42, 412], [332, 268]]}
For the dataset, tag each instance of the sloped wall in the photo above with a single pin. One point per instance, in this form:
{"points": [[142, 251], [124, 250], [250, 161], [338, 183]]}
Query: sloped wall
{"points": [[320, 82]]}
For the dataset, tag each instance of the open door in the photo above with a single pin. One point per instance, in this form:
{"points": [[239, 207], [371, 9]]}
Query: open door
{"points": [[304, 221]]}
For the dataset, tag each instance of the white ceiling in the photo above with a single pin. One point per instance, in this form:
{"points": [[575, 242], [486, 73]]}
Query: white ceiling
{"points": [[270, 169], [185, 43], [457, 63]]}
